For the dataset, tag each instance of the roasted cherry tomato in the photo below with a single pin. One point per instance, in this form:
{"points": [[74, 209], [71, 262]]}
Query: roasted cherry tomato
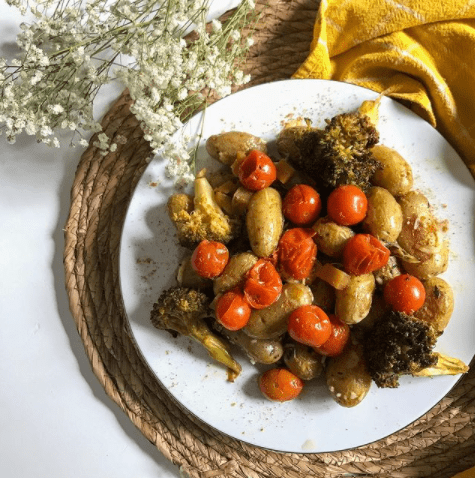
{"points": [[232, 310], [209, 258], [279, 384], [338, 338], [296, 253], [257, 171], [363, 253], [405, 293], [309, 325], [263, 285], [347, 205], [302, 205]]}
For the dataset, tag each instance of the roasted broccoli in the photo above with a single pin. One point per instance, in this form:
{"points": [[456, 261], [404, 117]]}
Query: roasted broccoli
{"points": [[200, 217], [182, 310], [398, 344], [338, 154]]}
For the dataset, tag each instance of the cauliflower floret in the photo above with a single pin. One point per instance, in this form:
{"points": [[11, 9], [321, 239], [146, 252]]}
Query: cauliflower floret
{"points": [[201, 217]]}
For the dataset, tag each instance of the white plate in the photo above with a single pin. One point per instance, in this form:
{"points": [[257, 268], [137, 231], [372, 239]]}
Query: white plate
{"points": [[314, 422]]}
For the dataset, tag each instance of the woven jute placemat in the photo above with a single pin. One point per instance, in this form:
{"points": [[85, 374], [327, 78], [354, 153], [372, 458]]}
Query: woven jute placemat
{"points": [[438, 445]]}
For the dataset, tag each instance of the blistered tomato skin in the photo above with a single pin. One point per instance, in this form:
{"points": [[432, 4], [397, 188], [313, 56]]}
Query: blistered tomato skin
{"points": [[338, 339], [209, 258], [296, 253], [280, 385], [257, 171], [302, 205], [232, 310], [309, 325], [347, 205], [263, 285], [405, 293], [363, 253]]}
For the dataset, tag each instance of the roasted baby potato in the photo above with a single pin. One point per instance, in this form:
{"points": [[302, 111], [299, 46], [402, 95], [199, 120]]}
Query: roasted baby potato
{"points": [[435, 265], [271, 322], [188, 277], [421, 234], [331, 237], [384, 216], [354, 301], [439, 304], [302, 360], [225, 147], [264, 351], [379, 307], [323, 294], [234, 272], [347, 376], [264, 221], [395, 174], [288, 140]]}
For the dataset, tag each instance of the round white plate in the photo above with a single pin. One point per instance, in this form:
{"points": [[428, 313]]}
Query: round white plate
{"points": [[314, 422]]}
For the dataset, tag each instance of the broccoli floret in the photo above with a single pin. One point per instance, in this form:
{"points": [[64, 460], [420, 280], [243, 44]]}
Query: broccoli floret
{"points": [[343, 152], [200, 217], [182, 310], [398, 344], [338, 154]]}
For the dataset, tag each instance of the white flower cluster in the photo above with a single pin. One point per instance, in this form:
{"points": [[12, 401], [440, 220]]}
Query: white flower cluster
{"points": [[69, 53]]}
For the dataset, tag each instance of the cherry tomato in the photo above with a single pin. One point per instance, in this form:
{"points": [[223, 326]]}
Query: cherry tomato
{"points": [[363, 253], [279, 384], [257, 171], [347, 205], [309, 325], [302, 205], [263, 285], [296, 253], [405, 293], [232, 310], [209, 258], [338, 338]]}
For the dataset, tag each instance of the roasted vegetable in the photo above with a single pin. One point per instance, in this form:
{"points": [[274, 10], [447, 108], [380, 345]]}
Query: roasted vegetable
{"points": [[271, 322], [421, 234], [264, 351], [384, 216], [303, 360], [353, 302], [438, 305], [264, 221], [398, 344], [331, 237], [340, 153], [202, 219], [225, 147], [182, 310], [347, 376], [395, 174], [445, 366]]}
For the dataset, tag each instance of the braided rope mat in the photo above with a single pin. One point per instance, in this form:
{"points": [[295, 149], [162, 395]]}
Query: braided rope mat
{"points": [[438, 445]]}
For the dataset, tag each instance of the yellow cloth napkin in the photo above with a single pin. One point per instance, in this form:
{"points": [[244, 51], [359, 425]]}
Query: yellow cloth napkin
{"points": [[466, 474], [423, 50]]}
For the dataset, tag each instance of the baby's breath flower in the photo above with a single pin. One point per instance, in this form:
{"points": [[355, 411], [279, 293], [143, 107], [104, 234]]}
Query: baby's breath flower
{"points": [[217, 25], [72, 49]]}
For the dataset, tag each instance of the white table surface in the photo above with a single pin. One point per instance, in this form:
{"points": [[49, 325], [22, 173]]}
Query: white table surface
{"points": [[56, 420]]}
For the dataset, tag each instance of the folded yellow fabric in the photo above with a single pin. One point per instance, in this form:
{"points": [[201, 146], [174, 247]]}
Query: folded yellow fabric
{"points": [[423, 50], [466, 474]]}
